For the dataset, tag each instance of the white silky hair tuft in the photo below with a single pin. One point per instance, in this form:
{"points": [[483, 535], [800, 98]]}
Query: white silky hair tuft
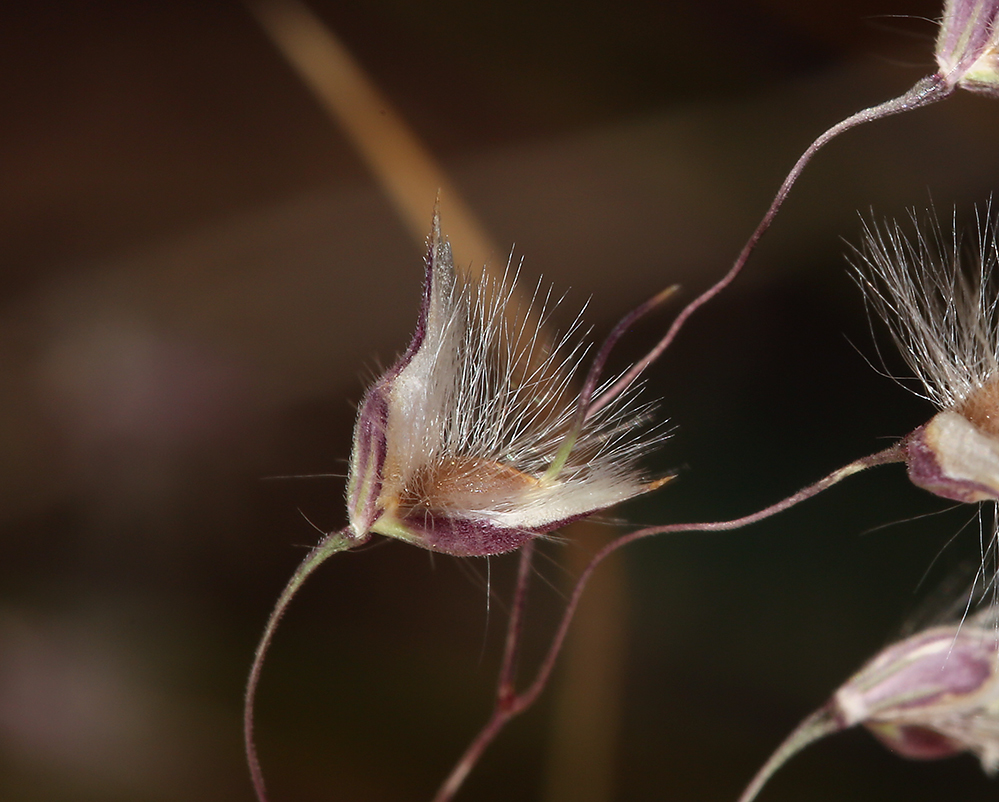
{"points": [[938, 298], [483, 389]]}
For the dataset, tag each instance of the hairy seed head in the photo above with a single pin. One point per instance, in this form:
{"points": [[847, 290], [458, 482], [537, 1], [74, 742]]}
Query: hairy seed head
{"points": [[939, 301], [931, 695], [471, 443]]}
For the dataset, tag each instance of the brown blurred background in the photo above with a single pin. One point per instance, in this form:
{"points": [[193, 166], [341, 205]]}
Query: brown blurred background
{"points": [[198, 275]]}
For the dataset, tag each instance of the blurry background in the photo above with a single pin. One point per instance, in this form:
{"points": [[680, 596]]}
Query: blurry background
{"points": [[198, 276]]}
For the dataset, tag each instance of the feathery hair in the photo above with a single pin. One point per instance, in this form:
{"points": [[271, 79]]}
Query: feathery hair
{"points": [[943, 317]]}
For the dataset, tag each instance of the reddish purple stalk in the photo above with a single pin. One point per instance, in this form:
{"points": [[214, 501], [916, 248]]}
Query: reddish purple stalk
{"points": [[510, 704], [332, 543], [927, 91]]}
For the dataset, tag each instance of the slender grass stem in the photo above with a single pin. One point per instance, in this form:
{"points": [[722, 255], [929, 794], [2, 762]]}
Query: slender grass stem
{"points": [[328, 546], [821, 723], [923, 93], [506, 695], [510, 703]]}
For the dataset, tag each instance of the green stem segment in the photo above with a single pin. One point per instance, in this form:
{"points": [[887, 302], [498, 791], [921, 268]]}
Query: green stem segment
{"points": [[328, 546], [821, 723]]}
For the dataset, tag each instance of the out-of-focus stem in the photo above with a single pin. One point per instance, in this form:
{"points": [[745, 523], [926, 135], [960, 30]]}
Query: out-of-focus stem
{"points": [[404, 167], [506, 695], [589, 689]]}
